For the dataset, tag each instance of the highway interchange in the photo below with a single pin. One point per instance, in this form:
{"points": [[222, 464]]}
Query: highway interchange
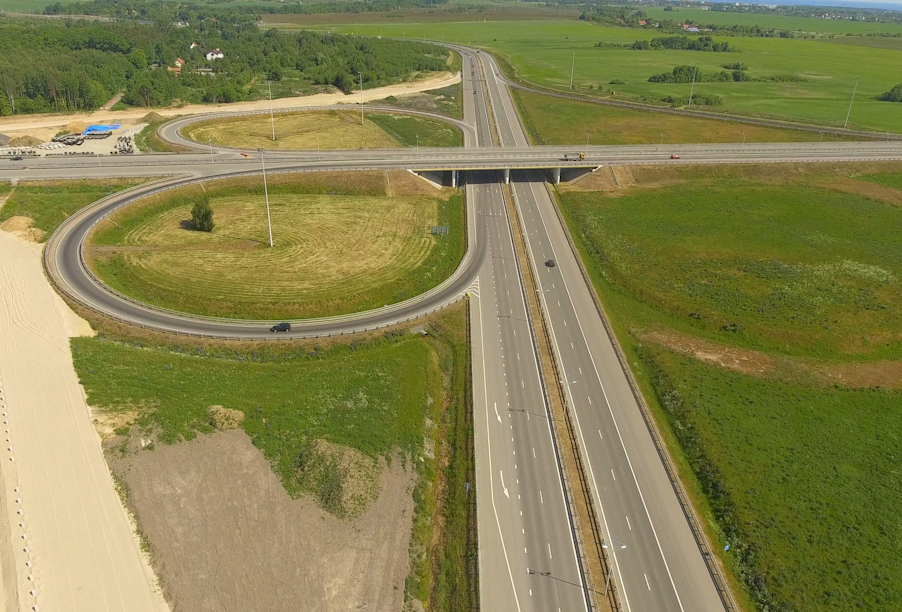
{"points": [[529, 557]]}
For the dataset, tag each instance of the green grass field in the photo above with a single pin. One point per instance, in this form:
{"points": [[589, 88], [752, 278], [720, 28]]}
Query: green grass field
{"points": [[797, 472], [556, 121], [336, 249], [324, 130], [542, 52], [372, 396], [48, 203], [808, 25]]}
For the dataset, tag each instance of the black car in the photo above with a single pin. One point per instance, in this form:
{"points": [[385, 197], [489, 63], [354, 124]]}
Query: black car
{"points": [[550, 263], [17, 158], [280, 327]]}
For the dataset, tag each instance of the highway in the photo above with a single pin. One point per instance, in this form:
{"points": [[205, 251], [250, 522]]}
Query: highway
{"points": [[661, 567], [528, 555]]}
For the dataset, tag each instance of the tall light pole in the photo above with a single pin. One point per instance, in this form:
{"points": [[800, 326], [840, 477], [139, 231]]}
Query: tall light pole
{"points": [[850, 102], [607, 582], [211, 149], [272, 121], [587, 143], [418, 146], [361, 96], [662, 140], [572, 66], [266, 195], [692, 89]]}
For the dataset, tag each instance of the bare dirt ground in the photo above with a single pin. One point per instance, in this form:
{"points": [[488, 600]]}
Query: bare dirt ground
{"points": [[45, 126], [225, 536], [65, 538], [884, 374]]}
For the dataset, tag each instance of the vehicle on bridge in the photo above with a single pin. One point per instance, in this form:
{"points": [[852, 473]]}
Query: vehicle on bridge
{"points": [[280, 327], [674, 156], [574, 156]]}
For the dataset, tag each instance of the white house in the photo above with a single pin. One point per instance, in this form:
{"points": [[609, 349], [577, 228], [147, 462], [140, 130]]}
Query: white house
{"points": [[214, 54]]}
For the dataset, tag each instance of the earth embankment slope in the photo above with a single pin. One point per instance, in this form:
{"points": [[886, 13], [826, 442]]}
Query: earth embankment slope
{"points": [[78, 549]]}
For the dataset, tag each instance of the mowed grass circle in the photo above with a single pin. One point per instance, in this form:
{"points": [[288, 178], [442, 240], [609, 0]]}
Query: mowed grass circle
{"points": [[333, 129], [333, 253]]}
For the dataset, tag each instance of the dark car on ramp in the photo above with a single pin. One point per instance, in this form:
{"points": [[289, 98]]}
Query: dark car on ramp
{"points": [[280, 327]]}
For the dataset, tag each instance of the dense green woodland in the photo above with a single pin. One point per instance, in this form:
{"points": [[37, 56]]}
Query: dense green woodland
{"points": [[54, 66]]}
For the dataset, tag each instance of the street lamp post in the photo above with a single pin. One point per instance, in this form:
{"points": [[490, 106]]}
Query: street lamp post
{"points": [[266, 195], [587, 143], [692, 89], [607, 582], [851, 101], [210, 138], [662, 140], [361, 97], [572, 66], [272, 120], [418, 146]]}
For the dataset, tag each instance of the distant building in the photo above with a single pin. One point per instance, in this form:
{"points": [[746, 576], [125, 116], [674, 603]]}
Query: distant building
{"points": [[214, 54], [179, 62], [193, 46], [642, 22], [176, 69], [692, 29]]}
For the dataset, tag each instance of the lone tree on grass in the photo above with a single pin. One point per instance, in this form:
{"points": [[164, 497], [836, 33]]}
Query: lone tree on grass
{"points": [[202, 215]]}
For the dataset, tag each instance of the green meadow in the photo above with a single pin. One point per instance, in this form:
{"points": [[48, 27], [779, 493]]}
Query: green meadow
{"points": [[544, 51]]}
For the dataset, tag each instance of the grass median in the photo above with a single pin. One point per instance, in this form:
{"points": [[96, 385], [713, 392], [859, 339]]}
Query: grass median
{"points": [[341, 245], [759, 308]]}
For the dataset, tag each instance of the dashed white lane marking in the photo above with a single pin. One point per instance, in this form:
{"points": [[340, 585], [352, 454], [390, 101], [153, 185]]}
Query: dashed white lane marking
{"points": [[612, 474], [628, 523], [571, 346], [599, 435], [646, 582], [580, 370], [533, 452], [549, 550], [541, 499], [590, 399]]}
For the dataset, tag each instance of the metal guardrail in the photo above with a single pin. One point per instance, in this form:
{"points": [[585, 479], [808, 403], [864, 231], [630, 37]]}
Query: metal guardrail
{"points": [[723, 590]]}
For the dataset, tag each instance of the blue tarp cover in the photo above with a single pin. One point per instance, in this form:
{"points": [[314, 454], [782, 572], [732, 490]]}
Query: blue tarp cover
{"points": [[101, 128]]}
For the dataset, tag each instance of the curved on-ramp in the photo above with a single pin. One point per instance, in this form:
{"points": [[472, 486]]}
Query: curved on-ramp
{"points": [[65, 265]]}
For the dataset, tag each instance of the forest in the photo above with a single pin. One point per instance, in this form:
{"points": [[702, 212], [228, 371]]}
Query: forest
{"points": [[71, 65]]}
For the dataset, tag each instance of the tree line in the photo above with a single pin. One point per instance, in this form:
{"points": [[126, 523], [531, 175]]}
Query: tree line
{"points": [[689, 74], [684, 43], [70, 65]]}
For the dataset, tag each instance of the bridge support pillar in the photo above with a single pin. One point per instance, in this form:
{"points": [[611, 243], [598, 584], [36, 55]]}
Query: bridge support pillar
{"points": [[556, 176], [454, 178], [507, 176]]}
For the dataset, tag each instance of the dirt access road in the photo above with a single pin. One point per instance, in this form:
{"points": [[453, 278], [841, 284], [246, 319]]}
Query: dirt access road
{"points": [[22, 124], [65, 539]]}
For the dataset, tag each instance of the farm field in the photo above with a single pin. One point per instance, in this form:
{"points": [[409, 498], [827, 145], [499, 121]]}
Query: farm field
{"points": [[323, 130], [341, 245], [759, 308], [556, 121], [348, 422], [37, 208], [806, 25], [543, 52]]}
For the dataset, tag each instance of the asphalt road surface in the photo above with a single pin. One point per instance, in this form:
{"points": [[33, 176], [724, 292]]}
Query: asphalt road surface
{"points": [[661, 567]]}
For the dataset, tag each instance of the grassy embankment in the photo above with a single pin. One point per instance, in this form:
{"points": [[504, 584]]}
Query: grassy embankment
{"points": [[542, 52], [147, 140], [761, 310], [48, 203], [324, 130], [555, 121], [342, 244], [371, 398]]}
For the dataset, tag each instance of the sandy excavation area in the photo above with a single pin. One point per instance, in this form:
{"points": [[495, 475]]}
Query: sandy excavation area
{"points": [[44, 127], [226, 537], [65, 540]]}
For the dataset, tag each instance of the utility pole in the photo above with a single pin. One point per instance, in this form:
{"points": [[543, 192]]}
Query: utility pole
{"points": [[662, 140], [211, 149], [361, 96], [851, 101], [572, 66], [272, 121], [692, 89], [587, 143], [418, 146], [266, 195], [611, 566]]}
